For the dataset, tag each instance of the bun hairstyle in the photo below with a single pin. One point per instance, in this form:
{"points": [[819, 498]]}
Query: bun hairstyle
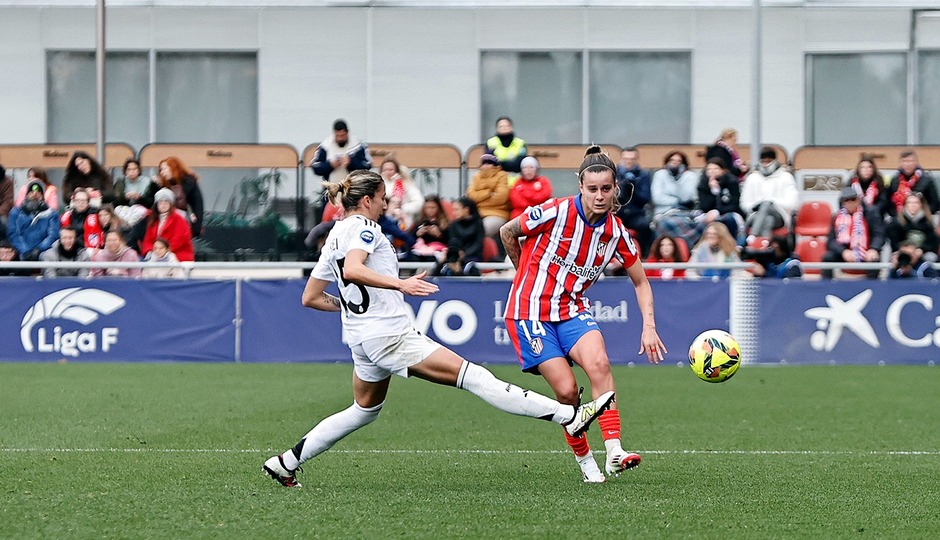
{"points": [[596, 160], [353, 188]]}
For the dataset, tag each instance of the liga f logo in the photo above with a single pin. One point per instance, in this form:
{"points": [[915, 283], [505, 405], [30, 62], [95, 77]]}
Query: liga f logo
{"points": [[83, 306]]}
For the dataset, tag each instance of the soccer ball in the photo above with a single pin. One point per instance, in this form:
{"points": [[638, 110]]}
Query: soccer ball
{"points": [[714, 356]]}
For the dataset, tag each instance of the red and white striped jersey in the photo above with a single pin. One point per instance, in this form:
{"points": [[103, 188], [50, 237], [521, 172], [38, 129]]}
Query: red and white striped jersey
{"points": [[562, 256]]}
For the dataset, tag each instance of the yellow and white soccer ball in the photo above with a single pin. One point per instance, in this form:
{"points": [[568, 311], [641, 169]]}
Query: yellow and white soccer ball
{"points": [[714, 356]]}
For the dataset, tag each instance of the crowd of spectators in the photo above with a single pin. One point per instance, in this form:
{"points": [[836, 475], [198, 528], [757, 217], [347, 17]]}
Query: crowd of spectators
{"points": [[136, 218], [728, 212]]}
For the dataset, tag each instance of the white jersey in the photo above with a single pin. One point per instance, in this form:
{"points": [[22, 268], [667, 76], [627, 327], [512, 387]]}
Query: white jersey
{"points": [[368, 312]]}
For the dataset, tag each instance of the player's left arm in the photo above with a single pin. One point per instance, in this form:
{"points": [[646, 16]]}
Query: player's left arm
{"points": [[650, 343], [509, 234], [316, 297]]}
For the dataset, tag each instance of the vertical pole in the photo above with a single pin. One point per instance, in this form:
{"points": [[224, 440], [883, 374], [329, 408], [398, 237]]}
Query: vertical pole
{"points": [[99, 81], [756, 86]]}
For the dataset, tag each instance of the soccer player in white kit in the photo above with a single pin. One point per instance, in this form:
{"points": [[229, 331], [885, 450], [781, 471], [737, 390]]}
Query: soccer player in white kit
{"points": [[378, 329]]}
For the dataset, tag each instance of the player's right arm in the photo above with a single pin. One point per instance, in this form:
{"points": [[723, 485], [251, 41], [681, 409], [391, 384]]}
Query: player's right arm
{"points": [[316, 297], [356, 271], [509, 234]]}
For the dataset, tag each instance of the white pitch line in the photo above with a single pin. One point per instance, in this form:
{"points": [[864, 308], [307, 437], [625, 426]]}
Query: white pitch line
{"points": [[484, 452]]}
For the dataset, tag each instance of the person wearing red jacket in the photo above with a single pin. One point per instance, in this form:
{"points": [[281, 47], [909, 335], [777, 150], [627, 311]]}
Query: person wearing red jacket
{"points": [[165, 222], [531, 189]]}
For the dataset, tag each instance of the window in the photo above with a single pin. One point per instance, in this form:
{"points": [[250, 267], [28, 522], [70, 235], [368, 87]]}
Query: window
{"points": [[200, 97], [207, 97], [640, 98], [71, 99], [540, 91], [857, 98], [928, 99]]}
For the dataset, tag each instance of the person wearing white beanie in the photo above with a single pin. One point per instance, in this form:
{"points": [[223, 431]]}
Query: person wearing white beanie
{"points": [[531, 189]]}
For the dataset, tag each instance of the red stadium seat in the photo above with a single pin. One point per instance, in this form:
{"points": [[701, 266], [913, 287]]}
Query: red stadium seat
{"points": [[448, 206], [490, 250], [811, 250], [758, 242], [329, 212], [814, 218]]}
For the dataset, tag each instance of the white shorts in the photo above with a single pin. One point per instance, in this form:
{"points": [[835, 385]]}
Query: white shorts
{"points": [[377, 359]]}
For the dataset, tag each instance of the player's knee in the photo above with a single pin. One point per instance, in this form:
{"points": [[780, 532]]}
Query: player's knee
{"points": [[568, 394], [368, 414]]}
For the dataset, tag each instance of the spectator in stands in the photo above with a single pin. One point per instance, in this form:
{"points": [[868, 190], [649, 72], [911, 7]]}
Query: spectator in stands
{"points": [[317, 235], [635, 184], [184, 184], [674, 192], [908, 262], [83, 171], [81, 216], [531, 189], [508, 149], [33, 226], [430, 230], [166, 222], [338, 155], [161, 254], [129, 189], [769, 196], [66, 249], [108, 220], [404, 197], [724, 149], [778, 261], [857, 233], [870, 185], [115, 250], [6, 200], [911, 177], [719, 198], [8, 253], [666, 250], [52, 192], [489, 190], [914, 224], [716, 246], [465, 244]]}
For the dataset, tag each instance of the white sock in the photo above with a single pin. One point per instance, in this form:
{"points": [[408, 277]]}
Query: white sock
{"points": [[510, 398], [330, 430], [613, 447]]}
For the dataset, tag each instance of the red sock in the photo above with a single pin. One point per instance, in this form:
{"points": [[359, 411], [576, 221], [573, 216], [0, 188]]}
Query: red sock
{"points": [[579, 445], [610, 424]]}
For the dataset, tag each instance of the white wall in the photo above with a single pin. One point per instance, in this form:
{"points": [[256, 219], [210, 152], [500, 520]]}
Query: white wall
{"points": [[411, 74]]}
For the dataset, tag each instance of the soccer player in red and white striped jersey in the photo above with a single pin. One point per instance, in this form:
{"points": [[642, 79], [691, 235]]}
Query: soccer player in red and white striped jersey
{"points": [[566, 244]]}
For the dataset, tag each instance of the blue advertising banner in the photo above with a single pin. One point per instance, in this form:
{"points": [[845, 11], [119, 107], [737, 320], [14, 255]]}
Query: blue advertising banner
{"points": [[112, 319], [276, 327], [467, 316], [857, 322]]}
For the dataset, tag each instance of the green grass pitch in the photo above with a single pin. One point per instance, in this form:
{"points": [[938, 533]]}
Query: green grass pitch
{"points": [[174, 451]]}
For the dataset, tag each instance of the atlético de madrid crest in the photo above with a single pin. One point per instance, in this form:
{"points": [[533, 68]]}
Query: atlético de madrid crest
{"points": [[536, 345]]}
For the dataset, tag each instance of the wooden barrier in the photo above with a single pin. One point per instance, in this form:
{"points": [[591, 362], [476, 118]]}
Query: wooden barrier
{"points": [[223, 156], [57, 156], [847, 157], [413, 156], [550, 156], [652, 156]]}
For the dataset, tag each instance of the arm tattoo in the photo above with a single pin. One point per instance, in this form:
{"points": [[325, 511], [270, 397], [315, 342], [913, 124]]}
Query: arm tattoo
{"points": [[509, 234]]}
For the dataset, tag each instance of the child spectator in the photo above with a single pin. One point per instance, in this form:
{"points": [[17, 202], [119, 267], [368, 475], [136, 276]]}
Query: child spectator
{"points": [[161, 254], [466, 240]]}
